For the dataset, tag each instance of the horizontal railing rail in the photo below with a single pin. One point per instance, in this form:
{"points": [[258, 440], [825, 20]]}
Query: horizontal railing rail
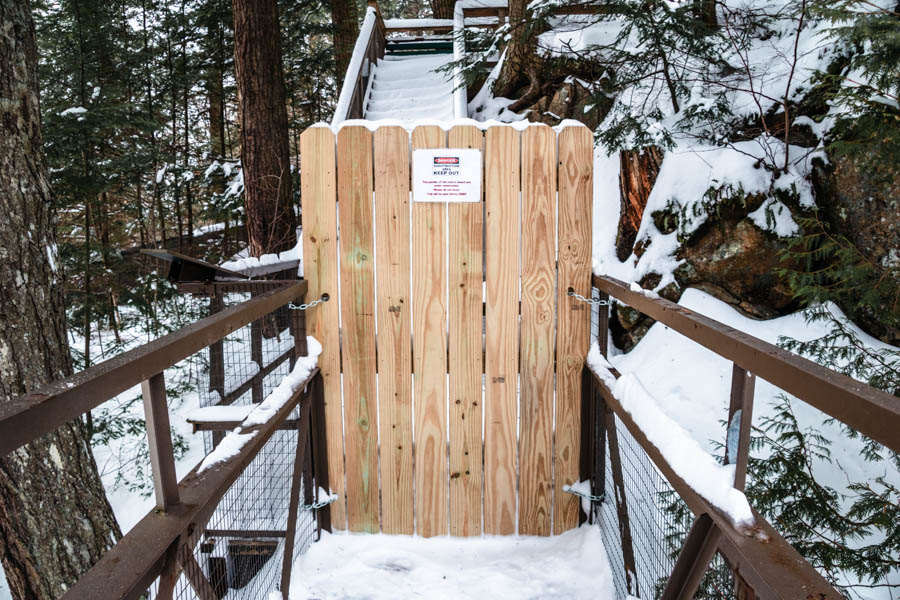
{"points": [[143, 553], [868, 410], [759, 557], [41, 411]]}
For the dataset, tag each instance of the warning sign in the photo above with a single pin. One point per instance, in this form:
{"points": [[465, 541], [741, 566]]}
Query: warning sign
{"points": [[446, 175]]}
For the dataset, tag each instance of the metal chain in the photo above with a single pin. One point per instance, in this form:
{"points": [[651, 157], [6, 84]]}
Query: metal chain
{"points": [[592, 497], [324, 298], [593, 301], [318, 505]]}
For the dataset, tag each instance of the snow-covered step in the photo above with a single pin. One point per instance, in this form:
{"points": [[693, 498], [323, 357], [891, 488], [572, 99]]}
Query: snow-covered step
{"points": [[410, 88]]}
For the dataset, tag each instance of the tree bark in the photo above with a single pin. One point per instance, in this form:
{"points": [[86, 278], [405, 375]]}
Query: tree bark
{"points": [[442, 9], [265, 153], [55, 521], [522, 64], [639, 169], [344, 29]]}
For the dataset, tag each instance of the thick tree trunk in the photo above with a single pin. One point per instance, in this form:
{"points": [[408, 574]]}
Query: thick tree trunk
{"points": [[55, 521], [522, 63], [265, 153], [442, 9], [345, 29], [639, 169]]}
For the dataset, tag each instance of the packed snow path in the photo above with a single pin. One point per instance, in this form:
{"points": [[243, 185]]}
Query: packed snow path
{"points": [[399, 567], [409, 88]]}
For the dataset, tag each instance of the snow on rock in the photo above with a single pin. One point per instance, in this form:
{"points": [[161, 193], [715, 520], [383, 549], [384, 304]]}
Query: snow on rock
{"points": [[688, 459], [378, 567], [234, 441]]}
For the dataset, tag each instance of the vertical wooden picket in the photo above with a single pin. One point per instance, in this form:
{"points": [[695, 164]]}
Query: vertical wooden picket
{"points": [[466, 227], [538, 329], [501, 336], [320, 269], [394, 361], [430, 353], [574, 317], [354, 145]]}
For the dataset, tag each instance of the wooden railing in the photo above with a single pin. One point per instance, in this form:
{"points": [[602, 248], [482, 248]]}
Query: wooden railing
{"points": [[161, 545], [763, 562], [369, 47]]}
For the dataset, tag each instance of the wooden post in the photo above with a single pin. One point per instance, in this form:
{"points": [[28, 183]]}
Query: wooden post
{"points": [[319, 446], [621, 505], [693, 560], [743, 385], [294, 499], [159, 437], [217, 361]]}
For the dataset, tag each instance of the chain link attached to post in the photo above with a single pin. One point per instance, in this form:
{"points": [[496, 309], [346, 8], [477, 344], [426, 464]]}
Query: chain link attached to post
{"points": [[324, 298], [591, 497], [593, 301]]}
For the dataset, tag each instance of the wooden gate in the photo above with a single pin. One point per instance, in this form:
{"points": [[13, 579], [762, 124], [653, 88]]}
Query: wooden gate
{"points": [[452, 410]]}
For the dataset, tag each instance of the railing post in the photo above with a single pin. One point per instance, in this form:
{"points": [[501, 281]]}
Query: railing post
{"points": [[159, 437], [615, 461], [319, 448], [290, 533], [740, 419]]}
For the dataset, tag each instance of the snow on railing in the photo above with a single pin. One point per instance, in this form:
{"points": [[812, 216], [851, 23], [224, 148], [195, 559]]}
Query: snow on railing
{"points": [[232, 443], [460, 98], [355, 66], [698, 469]]}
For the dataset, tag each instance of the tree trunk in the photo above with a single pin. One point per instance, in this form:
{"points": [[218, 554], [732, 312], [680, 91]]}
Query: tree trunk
{"points": [[442, 9], [521, 65], [639, 169], [705, 12], [55, 521], [344, 29], [265, 154]]}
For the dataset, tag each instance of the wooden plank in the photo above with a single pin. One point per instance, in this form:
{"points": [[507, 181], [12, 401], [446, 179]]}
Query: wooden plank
{"points": [[466, 232], [501, 335], [538, 329], [320, 269], [357, 249], [430, 353], [574, 318], [394, 352]]}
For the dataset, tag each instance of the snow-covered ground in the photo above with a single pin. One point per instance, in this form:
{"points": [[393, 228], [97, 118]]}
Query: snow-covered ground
{"points": [[392, 567]]}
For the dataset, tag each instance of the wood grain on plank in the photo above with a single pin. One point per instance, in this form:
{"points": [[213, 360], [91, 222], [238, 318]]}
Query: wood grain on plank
{"points": [[538, 329], [501, 335], [466, 231], [354, 145], [394, 359], [430, 353], [320, 268], [573, 330]]}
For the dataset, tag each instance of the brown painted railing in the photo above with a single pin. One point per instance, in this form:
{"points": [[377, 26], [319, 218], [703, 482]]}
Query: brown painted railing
{"points": [[765, 565], [161, 546]]}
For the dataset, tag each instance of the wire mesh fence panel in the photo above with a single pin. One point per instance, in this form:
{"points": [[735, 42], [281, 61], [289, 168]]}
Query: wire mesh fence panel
{"points": [[240, 551], [658, 519]]}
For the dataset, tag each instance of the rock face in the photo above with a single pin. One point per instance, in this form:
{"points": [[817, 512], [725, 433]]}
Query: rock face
{"points": [[570, 100], [860, 200], [737, 262]]}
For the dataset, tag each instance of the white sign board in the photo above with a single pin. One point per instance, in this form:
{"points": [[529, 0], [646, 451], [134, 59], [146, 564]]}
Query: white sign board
{"points": [[446, 175]]}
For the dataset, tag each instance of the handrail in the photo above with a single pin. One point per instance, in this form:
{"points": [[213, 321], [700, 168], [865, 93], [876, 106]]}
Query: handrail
{"points": [[369, 47], [460, 99], [764, 559], [131, 566], [868, 410], [41, 411]]}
